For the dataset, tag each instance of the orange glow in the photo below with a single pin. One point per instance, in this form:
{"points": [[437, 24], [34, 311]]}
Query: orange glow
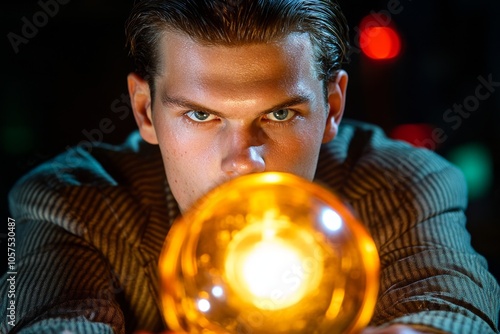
{"points": [[269, 253]]}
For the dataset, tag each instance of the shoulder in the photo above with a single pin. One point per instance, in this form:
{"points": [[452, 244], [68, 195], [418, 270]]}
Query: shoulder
{"points": [[83, 184], [362, 161]]}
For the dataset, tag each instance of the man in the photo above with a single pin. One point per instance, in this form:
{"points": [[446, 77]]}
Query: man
{"points": [[223, 89]]}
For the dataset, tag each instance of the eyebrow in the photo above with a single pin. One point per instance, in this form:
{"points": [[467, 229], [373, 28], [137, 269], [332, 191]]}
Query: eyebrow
{"points": [[184, 103]]}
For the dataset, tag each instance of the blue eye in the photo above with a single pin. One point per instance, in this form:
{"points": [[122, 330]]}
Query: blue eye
{"points": [[200, 116], [280, 115]]}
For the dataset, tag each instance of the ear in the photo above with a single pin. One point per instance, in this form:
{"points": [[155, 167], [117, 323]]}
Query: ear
{"points": [[336, 91], [140, 99]]}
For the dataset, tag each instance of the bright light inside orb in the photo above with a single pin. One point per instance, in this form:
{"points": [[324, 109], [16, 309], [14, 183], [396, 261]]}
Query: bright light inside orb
{"points": [[271, 271], [264, 267], [264, 270]]}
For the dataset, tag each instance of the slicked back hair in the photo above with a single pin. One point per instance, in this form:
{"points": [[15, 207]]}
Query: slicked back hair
{"points": [[237, 22]]}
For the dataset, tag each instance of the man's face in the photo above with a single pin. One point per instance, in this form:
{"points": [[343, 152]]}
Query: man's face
{"points": [[221, 112]]}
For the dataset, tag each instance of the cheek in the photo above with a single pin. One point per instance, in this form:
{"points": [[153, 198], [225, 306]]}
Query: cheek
{"points": [[188, 162], [298, 151], [306, 151], [181, 155], [175, 140], [182, 176], [310, 134]]}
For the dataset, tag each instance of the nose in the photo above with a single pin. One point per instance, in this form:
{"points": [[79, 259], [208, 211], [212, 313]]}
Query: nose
{"points": [[243, 154]]}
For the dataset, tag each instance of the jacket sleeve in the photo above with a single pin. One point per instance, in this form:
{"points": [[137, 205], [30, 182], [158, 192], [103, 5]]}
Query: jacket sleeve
{"points": [[62, 285], [87, 239], [430, 274]]}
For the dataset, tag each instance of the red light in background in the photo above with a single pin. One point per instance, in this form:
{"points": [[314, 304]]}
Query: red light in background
{"points": [[419, 135], [378, 40]]}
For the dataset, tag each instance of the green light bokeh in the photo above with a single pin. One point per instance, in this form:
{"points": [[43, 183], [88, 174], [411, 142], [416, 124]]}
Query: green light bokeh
{"points": [[476, 162]]}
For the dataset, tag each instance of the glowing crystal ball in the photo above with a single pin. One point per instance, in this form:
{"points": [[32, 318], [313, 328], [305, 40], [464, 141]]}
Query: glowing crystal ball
{"points": [[268, 253]]}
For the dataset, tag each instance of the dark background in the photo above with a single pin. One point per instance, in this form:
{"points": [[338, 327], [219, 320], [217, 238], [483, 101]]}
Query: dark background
{"points": [[72, 71]]}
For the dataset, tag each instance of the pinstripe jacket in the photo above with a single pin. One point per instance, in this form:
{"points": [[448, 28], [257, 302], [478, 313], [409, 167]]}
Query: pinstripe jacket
{"points": [[90, 227]]}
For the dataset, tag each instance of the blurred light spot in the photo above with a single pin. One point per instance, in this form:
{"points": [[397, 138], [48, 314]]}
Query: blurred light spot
{"points": [[419, 135], [476, 162], [217, 291], [331, 220], [203, 305], [379, 40]]}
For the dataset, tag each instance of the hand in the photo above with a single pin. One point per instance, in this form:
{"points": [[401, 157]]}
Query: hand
{"points": [[393, 329]]}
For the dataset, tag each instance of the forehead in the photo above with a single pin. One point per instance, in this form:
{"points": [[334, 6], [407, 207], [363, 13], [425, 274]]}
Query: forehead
{"points": [[281, 62], [293, 42]]}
